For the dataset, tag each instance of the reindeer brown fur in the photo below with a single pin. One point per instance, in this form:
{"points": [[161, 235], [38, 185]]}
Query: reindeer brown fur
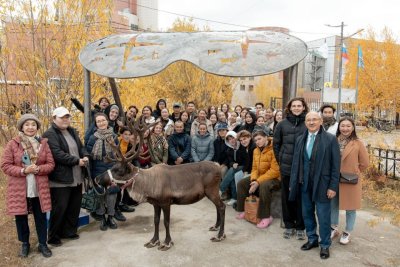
{"points": [[164, 185]]}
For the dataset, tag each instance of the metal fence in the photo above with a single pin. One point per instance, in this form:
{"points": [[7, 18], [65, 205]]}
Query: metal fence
{"points": [[388, 161]]}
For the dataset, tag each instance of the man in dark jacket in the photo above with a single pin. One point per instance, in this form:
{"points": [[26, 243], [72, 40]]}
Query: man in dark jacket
{"points": [[285, 136], [315, 175], [220, 147], [179, 146], [66, 179]]}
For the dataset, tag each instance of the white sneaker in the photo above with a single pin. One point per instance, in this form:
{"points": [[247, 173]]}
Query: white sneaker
{"points": [[334, 232], [231, 202], [345, 238]]}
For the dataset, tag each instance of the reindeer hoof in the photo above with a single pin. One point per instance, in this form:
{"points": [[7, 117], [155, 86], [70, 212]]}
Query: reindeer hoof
{"points": [[152, 244], [213, 228], [164, 246], [218, 239]]}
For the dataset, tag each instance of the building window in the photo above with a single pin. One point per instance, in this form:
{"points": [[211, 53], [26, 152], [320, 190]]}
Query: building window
{"points": [[242, 78], [251, 87], [134, 27], [242, 87], [251, 78]]}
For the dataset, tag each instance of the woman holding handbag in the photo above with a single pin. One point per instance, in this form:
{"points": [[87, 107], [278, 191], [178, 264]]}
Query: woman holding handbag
{"points": [[264, 179], [354, 160], [27, 161]]}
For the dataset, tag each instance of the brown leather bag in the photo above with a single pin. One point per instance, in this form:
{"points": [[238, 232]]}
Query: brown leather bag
{"points": [[250, 209], [348, 178]]}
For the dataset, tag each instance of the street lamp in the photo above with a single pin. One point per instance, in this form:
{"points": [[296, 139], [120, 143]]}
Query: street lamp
{"points": [[339, 106]]}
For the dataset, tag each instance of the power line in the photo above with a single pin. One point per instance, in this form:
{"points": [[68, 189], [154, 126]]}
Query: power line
{"points": [[197, 18]]}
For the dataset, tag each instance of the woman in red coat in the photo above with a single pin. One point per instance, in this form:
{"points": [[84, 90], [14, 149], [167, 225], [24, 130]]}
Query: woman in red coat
{"points": [[27, 160]]}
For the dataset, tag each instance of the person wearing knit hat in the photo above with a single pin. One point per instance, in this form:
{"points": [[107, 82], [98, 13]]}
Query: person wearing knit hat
{"points": [[25, 118], [27, 161]]}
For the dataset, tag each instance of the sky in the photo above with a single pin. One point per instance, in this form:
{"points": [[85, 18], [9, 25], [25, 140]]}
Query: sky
{"points": [[305, 19]]}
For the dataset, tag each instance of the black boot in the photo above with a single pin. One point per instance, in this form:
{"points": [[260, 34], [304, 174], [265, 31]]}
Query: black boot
{"points": [[44, 249], [103, 223], [125, 208], [24, 250], [119, 216], [111, 223]]}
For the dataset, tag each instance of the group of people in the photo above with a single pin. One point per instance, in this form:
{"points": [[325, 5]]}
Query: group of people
{"points": [[259, 152]]}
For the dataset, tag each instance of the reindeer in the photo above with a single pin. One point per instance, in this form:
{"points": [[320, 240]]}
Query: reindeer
{"points": [[164, 185]]}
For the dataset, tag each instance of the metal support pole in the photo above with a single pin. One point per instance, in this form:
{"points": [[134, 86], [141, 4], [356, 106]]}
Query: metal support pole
{"points": [[87, 99], [339, 107], [289, 84], [117, 99]]}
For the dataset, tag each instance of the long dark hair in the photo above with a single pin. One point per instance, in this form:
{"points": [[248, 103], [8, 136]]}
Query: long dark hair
{"points": [[353, 135], [302, 100]]}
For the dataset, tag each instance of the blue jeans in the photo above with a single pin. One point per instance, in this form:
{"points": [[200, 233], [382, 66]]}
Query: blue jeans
{"points": [[229, 181], [350, 215], [323, 213]]}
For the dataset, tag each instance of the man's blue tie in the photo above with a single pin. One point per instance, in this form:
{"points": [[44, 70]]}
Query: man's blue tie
{"points": [[310, 145]]}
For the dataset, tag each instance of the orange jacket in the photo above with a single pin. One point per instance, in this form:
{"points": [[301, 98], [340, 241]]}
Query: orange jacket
{"points": [[265, 166]]}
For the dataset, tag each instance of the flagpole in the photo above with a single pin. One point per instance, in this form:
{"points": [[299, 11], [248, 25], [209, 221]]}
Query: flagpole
{"points": [[339, 106], [357, 67]]}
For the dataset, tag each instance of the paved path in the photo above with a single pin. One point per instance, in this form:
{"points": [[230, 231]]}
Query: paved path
{"points": [[245, 244]]}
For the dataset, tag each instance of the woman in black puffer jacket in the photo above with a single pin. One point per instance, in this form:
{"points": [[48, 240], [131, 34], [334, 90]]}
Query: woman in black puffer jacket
{"points": [[285, 135]]}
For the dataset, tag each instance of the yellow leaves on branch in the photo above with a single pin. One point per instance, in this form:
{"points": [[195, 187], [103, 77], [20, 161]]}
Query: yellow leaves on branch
{"points": [[379, 80], [268, 86], [43, 39]]}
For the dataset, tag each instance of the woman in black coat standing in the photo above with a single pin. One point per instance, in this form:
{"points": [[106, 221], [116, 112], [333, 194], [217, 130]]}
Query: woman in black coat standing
{"points": [[285, 135]]}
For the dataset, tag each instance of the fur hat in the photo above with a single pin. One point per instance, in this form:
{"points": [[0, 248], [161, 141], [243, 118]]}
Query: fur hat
{"points": [[27, 117]]}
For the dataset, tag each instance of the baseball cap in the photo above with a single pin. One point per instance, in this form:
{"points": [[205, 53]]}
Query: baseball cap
{"points": [[60, 112], [176, 105]]}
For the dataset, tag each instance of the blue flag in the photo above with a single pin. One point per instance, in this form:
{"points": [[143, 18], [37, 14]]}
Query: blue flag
{"points": [[360, 58]]}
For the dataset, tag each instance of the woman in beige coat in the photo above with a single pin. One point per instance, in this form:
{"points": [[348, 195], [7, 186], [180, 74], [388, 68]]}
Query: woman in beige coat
{"points": [[354, 160]]}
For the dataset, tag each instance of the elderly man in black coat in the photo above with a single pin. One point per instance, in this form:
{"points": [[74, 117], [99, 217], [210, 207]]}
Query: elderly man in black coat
{"points": [[315, 175]]}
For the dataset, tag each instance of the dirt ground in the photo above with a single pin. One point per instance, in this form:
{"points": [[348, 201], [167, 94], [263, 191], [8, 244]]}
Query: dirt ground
{"points": [[375, 242]]}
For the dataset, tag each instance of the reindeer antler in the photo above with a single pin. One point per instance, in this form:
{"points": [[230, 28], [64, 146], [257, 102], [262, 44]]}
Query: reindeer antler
{"points": [[139, 127], [117, 152]]}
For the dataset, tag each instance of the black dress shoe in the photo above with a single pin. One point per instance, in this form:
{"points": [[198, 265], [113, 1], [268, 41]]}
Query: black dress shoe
{"points": [[324, 254], [111, 223], [103, 223], [55, 242], [96, 216], [24, 250], [308, 245], [126, 208], [119, 216], [44, 249]]}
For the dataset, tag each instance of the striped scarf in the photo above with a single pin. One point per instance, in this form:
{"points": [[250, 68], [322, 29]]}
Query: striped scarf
{"points": [[30, 145]]}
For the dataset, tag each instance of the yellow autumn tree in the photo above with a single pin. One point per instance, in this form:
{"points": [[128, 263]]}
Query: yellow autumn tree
{"points": [[180, 82], [41, 41], [379, 79], [269, 86]]}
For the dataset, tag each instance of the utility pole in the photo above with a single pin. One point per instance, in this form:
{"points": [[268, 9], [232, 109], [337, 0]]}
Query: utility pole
{"points": [[339, 107]]}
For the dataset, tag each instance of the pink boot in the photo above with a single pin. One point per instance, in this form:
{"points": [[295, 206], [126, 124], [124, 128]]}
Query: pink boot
{"points": [[240, 216], [264, 223]]}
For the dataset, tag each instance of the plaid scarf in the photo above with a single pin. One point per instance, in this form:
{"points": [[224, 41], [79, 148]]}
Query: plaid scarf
{"points": [[343, 141], [31, 146], [102, 135]]}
